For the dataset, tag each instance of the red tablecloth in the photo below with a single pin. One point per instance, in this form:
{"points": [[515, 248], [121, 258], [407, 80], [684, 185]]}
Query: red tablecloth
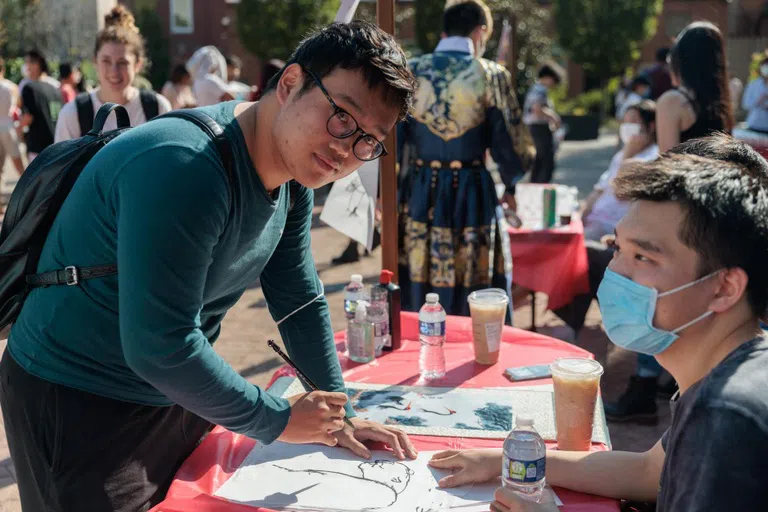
{"points": [[757, 140], [222, 452], [552, 261]]}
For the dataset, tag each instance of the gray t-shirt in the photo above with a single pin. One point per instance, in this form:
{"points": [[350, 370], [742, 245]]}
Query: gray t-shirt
{"points": [[717, 447]]}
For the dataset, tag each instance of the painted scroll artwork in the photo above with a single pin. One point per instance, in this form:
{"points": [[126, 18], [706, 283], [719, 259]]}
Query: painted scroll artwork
{"points": [[319, 478], [457, 412]]}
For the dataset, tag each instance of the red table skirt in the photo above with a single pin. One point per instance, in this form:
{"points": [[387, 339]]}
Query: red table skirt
{"points": [[552, 261], [222, 452]]}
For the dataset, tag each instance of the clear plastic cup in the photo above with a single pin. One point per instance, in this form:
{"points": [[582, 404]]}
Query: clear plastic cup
{"points": [[576, 382], [488, 309]]}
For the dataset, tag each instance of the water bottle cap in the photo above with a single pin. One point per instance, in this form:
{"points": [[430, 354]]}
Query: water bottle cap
{"points": [[433, 297], [524, 421], [386, 276], [356, 278]]}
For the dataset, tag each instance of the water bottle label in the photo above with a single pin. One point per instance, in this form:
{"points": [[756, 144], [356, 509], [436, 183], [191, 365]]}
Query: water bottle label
{"points": [[349, 308], [432, 328], [525, 471]]}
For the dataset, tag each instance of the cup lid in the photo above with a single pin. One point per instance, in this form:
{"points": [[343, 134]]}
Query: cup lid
{"points": [[576, 367], [490, 297]]}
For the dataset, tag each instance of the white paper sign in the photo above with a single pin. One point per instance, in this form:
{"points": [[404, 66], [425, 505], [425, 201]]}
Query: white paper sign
{"points": [[346, 11], [351, 203]]}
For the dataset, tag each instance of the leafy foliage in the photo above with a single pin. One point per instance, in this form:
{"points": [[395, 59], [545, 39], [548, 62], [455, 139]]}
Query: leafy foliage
{"points": [[156, 69], [429, 23], [605, 36], [270, 29]]}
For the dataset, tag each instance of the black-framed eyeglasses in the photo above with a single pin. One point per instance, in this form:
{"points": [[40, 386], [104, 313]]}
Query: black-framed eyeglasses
{"points": [[342, 125]]}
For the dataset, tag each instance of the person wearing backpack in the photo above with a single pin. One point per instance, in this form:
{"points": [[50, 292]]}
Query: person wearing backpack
{"points": [[119, 56], [110, 380]]}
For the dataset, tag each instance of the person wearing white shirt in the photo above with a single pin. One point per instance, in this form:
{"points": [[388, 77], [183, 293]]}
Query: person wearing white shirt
{"points": [[119, 57], [209, 74], [755, 100], [9, 143]]}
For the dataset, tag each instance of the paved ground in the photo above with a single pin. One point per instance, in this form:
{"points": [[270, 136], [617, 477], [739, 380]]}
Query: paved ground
{"points": [[248, 325]]}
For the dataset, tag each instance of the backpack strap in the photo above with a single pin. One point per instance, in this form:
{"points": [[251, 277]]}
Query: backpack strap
{"points": [[149, 104], [123, 120], [84, 105]]}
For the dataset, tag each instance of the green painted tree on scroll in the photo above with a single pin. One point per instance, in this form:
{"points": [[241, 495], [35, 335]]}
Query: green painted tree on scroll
{"points": [[272, 29], [605, 36]]}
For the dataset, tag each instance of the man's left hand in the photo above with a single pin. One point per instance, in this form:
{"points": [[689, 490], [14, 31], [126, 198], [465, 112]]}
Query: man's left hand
{"points": [[370, 431], [507, 500]]}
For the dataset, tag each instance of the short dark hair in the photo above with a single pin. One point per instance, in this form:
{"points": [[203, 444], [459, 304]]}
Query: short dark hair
{"points": [[726, 211], [646, 109], [725, 148], [551, 71], [37, 56], [361, 46], [178, 73], [65, 70], [661, 54], [462, 18], [638, 81], [234, 61]]}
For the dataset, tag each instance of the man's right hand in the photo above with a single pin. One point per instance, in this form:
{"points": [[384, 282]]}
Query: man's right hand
{"points": [[314, 417]]}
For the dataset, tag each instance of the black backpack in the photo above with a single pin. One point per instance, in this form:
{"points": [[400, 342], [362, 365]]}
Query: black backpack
{"points": [[84, 104], [41, 191]]}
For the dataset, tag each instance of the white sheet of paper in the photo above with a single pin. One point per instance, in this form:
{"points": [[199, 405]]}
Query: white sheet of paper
{"points": [[350, 205], [346, 11], [321, 478]]}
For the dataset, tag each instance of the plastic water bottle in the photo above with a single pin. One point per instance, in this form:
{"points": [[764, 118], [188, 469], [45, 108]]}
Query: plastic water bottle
{"points": [[525, 457], [378, 313], [352, 293], [432, 337]]}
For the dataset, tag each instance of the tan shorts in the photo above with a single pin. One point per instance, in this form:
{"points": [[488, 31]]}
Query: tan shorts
{"points": [[9, 144]]}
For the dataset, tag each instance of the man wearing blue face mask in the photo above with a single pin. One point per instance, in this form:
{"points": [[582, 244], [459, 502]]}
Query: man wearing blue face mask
{"points": [[688, 285]]}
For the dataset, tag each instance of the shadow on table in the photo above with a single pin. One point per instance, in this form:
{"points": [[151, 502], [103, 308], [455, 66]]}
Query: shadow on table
{"points": [[462, 373]]}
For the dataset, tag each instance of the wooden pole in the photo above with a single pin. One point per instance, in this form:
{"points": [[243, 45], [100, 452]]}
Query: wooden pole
{"points": [[385, 15]]}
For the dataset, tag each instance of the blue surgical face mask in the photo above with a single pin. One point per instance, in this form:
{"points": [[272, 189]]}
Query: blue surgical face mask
{"points": [[628, 309]]}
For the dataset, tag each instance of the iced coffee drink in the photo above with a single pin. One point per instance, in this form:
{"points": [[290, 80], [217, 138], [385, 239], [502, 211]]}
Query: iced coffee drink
{"points": [[576, 382], [488, 309]]}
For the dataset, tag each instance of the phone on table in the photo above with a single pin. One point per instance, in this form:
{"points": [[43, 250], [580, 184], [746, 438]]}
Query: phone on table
{"points": [[538, 371]]}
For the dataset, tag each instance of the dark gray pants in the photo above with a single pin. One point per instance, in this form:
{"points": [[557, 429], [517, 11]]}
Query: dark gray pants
{"points": [[74, 451], [599, 256]]}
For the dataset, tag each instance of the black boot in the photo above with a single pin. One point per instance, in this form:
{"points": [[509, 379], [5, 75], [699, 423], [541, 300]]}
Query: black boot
{"points": [[350, 255], [638, 403]]}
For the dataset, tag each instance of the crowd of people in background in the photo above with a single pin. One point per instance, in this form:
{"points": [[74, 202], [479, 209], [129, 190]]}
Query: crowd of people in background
{"points": [[41, 110]]}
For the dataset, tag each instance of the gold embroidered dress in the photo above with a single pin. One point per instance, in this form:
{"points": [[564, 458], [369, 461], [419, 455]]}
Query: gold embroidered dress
{"points": [[451, 238]]}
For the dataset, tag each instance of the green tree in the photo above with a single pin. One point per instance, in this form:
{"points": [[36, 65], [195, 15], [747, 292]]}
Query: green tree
{"points": [[605, 36], [156, 68], [428, 23], [272, 29], [531, 43]]}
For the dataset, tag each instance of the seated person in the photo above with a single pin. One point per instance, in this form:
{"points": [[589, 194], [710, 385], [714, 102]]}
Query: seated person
{"points": [[691, 252], [639, 89], [755, 100], [603, 211], [638, 136]]}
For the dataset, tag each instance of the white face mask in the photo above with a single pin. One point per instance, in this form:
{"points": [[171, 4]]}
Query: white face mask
{"points": [[764, 70], [629, 130]]}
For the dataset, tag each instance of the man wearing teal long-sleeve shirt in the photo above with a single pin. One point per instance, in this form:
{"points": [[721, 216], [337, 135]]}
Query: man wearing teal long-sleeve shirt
{"points": [[108, 386]]}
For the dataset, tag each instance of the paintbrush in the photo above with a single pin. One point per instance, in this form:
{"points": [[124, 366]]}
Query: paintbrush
{"points": [[300, 373]]}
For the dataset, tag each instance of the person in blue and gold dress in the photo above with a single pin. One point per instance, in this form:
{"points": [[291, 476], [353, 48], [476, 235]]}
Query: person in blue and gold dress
{"points": [[452, 241]]}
